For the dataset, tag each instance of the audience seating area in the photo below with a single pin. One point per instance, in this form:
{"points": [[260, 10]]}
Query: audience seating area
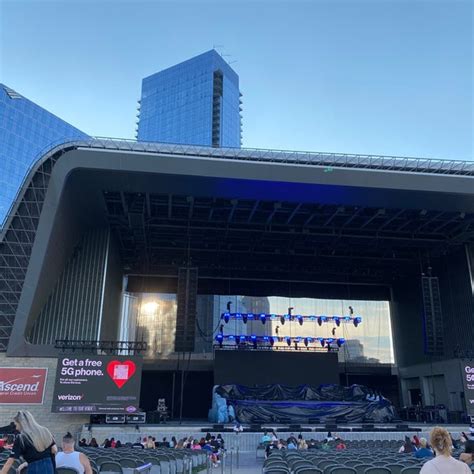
{"points": [[130, 461], [162, 461], [360, 457]]}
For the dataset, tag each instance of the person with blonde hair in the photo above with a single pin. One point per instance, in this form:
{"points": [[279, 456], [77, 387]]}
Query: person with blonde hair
{"points": [[423, 451], [35, 444], [440, 441]]}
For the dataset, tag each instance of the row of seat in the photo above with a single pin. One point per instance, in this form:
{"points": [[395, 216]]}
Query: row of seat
{"points": [[360, 461], [163, 460]]}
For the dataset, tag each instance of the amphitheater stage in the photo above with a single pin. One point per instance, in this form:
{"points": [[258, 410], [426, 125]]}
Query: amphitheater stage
{"points": [[249, 439]]}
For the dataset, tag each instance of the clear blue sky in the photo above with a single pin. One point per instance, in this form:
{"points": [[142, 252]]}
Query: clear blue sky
{"points": [[389, 77]]}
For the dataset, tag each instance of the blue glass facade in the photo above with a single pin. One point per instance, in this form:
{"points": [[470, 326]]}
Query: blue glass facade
{"points": [[196, 102], [26, 130]]}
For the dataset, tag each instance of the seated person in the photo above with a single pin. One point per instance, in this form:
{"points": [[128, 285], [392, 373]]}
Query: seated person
{"points": [[290, 444], [468, 455], [340, 445], [265, 438], [71, 458], [407, 447], [423, 451], [138, 444], [325, 445], [302, 444]]}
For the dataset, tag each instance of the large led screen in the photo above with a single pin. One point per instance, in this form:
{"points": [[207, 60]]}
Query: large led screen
{"points": [[97, 384]]}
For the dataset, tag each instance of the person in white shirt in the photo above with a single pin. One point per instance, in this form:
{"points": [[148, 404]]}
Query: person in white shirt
{"points": [[70, 458], [440, 441]]}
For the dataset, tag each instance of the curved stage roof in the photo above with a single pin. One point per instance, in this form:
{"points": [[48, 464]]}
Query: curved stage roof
{"points": [[237, 213]]}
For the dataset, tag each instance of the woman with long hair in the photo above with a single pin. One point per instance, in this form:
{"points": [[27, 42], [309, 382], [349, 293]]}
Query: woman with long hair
{"points": [[35, 444], [441, 442]]}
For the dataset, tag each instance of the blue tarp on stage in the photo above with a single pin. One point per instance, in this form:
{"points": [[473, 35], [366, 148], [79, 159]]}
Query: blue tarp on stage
{"points": [[274, 403]]}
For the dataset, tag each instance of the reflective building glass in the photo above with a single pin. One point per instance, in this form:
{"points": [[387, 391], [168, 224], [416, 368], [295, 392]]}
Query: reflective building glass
{"points": [[26, 131], [196, 102]]}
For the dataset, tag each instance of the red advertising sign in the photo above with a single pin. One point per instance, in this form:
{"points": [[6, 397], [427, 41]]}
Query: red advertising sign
{"points": [[23, 386]]}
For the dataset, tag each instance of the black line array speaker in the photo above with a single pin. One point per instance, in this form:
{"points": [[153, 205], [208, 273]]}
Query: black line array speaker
{"points": [[186, 310], [433, 316]]}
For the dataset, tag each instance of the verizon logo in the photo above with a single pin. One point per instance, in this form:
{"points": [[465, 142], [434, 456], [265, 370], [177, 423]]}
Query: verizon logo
{"points": [[70, 397], [471, 402]]}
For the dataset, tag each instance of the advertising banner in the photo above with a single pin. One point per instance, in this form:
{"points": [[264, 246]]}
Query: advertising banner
{"points": [[97, 384], [467, 369], [23, 386]]}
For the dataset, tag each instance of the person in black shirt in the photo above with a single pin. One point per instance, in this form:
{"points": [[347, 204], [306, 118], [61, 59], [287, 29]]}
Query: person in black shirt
{"points": [[35, 444]]}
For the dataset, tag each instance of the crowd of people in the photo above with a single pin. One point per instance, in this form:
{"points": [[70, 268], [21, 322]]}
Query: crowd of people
{"points": [[35, 447], [438, 449], [214, 445], [421, 448], [271, 441]]}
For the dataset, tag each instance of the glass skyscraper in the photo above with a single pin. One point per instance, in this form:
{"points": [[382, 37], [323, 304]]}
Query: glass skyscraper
{"points": [[26, 130], [196, 102]]}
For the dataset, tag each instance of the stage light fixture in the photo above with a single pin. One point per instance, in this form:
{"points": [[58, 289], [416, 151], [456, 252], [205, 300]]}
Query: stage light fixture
{"points": [[263, 318], [272, 341], [300, 319], [253, 339], [306, 341], [340, 341], [322, 341], [282, 320], [357, 320], [288, 341], [329, 340], [250, 316], [337, 320], [241, 339], [220, 339], [320, 321], [226, 317], [244, 318]]}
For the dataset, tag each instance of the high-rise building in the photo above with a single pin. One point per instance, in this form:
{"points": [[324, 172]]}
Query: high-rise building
{"points": [[196, 102], [26, 131]]}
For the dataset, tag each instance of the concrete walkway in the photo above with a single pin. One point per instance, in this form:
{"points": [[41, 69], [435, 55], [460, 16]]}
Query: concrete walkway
{"points": [[248, 464]]}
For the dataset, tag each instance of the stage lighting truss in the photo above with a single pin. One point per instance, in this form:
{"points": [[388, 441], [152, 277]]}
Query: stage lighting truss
{"points": [[282, 318], [256, 341]]}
